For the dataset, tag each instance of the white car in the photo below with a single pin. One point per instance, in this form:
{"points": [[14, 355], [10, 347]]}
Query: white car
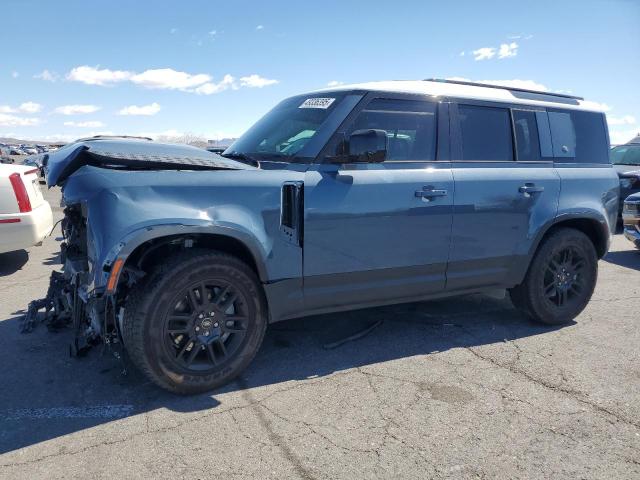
{"points": [[25, 216]]}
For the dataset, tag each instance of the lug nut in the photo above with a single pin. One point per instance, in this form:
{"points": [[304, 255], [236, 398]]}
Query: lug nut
{"points": [[197, 329], [216, 324]]}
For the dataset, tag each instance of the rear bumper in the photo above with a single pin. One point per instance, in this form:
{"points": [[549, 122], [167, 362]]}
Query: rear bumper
{"points": [[25, 229]]}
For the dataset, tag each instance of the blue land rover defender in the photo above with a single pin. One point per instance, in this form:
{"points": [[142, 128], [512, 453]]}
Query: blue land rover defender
{"points": [[338, 199]]}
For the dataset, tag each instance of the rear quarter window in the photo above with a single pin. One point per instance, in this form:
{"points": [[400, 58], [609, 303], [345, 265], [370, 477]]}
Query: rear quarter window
{"points": [[578, 137]]}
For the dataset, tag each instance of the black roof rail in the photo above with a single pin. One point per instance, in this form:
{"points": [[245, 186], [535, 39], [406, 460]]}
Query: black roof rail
{"points": [[101, 137], [503, 87]]}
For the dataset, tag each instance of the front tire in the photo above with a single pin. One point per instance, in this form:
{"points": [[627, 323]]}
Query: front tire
{"points": [[196, 322], [560, 280]]}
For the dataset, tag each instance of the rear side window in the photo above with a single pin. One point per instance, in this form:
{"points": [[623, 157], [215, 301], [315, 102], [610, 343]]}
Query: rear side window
{"points": [[578, 137], [410, 127], [486, 133], [525, 127]]}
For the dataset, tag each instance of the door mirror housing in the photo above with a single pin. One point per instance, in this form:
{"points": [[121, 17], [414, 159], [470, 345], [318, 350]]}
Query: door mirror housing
{"points": [[368, 146], [364, 146]]}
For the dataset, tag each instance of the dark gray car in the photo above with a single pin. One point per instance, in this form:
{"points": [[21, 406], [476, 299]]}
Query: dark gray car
{"points": [[626, 161], [340, 199]]}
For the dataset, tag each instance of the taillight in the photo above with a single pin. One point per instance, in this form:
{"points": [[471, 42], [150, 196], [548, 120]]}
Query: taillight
{"points": [[19, 189]]}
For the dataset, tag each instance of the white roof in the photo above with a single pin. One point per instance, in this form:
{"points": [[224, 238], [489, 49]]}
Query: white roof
{"points": [[443, 89]]}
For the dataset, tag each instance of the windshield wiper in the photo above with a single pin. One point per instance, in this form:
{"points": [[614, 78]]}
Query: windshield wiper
{"points": [[241, 157]]}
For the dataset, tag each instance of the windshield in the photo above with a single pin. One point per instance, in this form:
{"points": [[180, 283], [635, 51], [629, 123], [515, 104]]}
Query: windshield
{"points": [[625, 155], [297, 127]]}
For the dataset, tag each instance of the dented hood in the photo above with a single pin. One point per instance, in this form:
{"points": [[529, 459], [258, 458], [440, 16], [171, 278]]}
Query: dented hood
{"points": [[136, 154]]}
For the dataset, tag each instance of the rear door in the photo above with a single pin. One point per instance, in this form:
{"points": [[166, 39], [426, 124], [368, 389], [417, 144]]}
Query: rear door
{"points": [[504, 191], [381, 232]]}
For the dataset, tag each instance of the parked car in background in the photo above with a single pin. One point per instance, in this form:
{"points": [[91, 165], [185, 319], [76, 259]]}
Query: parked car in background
{"points": [[631, 219], [16, 150], [36, 161], [25, 217], [339, 199], [626, 161]]}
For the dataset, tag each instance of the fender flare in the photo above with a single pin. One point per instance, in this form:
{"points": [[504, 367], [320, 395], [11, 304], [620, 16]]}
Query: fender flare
{"points": [[133, 240], [590, 215]]}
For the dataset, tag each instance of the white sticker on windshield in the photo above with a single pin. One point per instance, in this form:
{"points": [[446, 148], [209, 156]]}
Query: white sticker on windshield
{"points": [[317, 103]]}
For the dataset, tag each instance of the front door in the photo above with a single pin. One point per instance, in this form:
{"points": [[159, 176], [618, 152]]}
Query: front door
{"points": [[380, 232]]}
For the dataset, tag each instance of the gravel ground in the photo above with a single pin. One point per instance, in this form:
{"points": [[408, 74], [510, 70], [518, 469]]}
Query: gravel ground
{"points": [[461, 388]]}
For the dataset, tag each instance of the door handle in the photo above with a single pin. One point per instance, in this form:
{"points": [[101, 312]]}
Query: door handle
{"points": [[529, 188], [428, 193]]}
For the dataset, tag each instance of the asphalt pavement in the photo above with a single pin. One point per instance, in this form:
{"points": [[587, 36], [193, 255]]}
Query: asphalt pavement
{"points": [[458, 388]]}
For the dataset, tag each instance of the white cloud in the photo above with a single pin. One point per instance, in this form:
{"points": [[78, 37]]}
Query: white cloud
{"points": [[618, 137], [213, 33], [167, 78], [14, 74], [146, 110], [461, 54], [87, 124], [334, 83], [173, 30], [76, 109], [210, 88], [96, 76], [508, 50], [47, 76], [256, 81], [484, 53], [260, 27], [624, 120], [26, 107], [602, 107], [30, 107], [7, 120]]}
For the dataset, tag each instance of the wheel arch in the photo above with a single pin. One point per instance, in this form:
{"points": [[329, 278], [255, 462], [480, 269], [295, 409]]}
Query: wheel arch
{"points": [[594, 226], [141, 251]]}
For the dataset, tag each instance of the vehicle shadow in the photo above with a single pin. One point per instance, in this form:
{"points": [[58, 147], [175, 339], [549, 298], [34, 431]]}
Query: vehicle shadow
{"points": [[11, 262], [627, 258], [51, 395]]}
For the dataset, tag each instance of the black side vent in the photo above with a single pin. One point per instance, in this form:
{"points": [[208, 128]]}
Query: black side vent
{"points": [[291, 212]]}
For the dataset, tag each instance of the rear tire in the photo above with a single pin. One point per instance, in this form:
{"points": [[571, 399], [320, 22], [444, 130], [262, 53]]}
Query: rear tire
{"points": [[560, 280], [196, 322]]}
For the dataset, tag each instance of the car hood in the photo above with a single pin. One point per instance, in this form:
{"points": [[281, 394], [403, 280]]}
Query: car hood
{"points": [[627, 170], [135, 154]]}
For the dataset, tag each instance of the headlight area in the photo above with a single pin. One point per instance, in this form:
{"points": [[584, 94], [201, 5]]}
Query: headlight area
{"points": [[71, 299], [629, 182]]}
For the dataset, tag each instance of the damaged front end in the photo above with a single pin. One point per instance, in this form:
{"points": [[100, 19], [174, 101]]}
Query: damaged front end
{"points": [[68, 301], [82, 295]]}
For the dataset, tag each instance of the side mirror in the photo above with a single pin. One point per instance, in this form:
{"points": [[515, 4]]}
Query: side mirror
{"points": [[363, 146], [369, 146]]}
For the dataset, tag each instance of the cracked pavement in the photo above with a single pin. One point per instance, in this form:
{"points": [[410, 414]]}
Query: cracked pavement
{"points": [[462, 388]]}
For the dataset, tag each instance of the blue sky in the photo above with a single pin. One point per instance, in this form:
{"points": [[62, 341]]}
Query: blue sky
{"points": [[71, 68]]}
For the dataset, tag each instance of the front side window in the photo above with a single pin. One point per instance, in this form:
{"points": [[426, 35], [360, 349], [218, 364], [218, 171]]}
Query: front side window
{"points": [[297, 127], [410, 126], [578, 136], [486, 133]]}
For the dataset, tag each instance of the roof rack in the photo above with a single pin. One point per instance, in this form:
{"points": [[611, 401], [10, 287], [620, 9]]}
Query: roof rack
{"points": [[503, 87], [102, 137]]}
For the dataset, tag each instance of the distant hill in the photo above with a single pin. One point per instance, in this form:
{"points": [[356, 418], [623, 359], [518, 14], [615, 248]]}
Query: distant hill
{"points": [[27, 142]]}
